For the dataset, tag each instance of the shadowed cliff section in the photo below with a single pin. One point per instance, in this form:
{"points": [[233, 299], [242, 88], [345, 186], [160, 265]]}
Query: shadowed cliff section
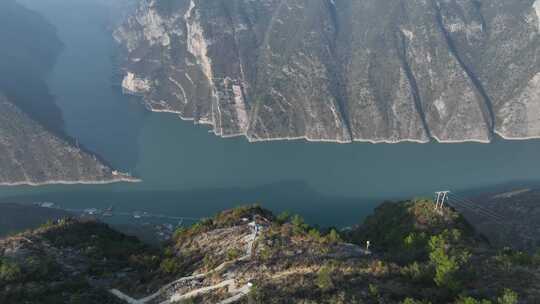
{"points": [[490, 115], [34, 148], [29, 50], [412, 80]]}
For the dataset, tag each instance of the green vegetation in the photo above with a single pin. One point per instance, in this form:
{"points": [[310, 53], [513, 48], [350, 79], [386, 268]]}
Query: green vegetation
{"points": [[9, 271], [509, 297], [324, 278], [469, 300], [224, 219], [422, 257], [447, 258], [402, 231], [233, 254], [419, 257], [91, 248]]}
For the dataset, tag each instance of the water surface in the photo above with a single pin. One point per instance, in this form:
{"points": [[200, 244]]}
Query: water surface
{"points": [[189, 172]]}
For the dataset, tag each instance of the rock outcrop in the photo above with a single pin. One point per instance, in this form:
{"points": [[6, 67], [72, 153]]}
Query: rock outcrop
{"points": [[342, 71]]}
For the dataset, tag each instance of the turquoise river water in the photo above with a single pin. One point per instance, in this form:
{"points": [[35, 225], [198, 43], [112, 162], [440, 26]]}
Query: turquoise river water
{"points": [[187, 171]]}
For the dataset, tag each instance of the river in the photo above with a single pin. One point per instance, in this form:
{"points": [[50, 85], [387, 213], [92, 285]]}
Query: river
{"points": [[188, 172]]}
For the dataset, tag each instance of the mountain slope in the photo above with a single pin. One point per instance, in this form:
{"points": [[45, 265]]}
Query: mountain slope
{"points": [[380, 71], [30, 154], [247, 255], [34, 148]]}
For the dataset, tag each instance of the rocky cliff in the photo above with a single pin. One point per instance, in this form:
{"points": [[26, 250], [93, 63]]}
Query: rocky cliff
{"points": [[34, 148], [338, 70]]}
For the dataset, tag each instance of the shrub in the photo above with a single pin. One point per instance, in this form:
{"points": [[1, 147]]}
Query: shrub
{"points": [[324, 278], [233, 254], [333, 237], [266, 253], [373, 291], [469, 300], [314, 234], [508, 258], [508, 297], [170, 266], [144, 261], [283, 217], [9, 271], [210, 262], [446, 259], [536, 258], [256, 294], [417, 272], [414, 301], [299, 224], [378, 268], [47, 225]]}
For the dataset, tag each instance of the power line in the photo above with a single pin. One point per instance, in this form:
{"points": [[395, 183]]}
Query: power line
{"points": [[479, 212], [478, 208], [458, 201], [444, 196], [461, 205]]}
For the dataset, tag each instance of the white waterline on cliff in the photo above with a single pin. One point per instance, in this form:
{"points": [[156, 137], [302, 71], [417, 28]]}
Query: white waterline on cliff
{"points": [[516, 138], [77, 182]]}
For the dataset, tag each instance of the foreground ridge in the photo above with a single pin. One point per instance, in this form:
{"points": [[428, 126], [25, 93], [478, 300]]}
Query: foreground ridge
{"points": [[406, 252]]}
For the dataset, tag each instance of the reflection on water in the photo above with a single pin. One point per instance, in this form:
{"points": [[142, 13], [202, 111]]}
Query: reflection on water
{"points": [[295, 197]]}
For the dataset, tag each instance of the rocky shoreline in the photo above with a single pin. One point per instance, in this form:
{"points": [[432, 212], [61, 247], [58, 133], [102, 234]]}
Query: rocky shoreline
{"points": [[72, 182]]}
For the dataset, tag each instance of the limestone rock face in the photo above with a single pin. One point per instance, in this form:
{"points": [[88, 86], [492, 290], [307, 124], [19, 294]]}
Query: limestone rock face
{"points": [[324, 70]]}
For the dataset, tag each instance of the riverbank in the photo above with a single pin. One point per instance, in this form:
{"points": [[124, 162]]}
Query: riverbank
{"points": [[74, 182]]}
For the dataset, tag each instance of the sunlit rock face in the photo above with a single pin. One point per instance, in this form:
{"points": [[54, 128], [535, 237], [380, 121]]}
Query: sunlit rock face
{"points": [[342, 71]]}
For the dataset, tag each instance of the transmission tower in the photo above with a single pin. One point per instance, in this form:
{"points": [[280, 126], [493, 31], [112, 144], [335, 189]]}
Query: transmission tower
{"points": [[442, 197]]}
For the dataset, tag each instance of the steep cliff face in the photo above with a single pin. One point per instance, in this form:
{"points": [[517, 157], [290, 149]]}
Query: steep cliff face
{"points": [[381, 71], [34, 148]]}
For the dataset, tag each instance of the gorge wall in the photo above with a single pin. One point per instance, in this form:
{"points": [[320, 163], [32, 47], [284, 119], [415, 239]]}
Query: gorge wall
{"points": [[339, 70]]}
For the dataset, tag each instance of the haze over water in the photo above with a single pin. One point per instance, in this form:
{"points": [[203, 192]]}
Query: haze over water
{"points": [[188, 172]]}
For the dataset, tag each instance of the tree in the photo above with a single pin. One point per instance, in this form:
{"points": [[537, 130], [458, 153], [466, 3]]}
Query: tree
{"points": [[299, 224], [508, 297], [171, 266], [324, 278], [256, 295], [333, 237], [9, 271], [446, 259], [283, 217], [233, 254], [445, 266]]}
